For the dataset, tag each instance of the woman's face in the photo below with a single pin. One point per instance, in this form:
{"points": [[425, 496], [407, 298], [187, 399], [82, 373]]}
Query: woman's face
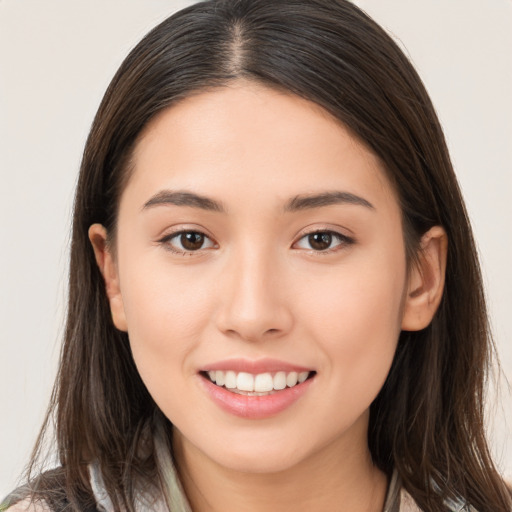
{"points": [[259, 244]]}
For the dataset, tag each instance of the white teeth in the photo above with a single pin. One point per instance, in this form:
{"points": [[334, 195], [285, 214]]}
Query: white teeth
{"points": [[280, 380], [245, 382], [229, 380], [261, 383], [302, 376], [220, 378], [291, 379]]}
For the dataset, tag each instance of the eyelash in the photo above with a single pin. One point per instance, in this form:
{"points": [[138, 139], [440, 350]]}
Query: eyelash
{"points": [[343, 240], [166, 241]]}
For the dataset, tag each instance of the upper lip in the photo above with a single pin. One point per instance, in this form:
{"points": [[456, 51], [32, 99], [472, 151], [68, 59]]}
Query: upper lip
{"points": [[255, 367]]}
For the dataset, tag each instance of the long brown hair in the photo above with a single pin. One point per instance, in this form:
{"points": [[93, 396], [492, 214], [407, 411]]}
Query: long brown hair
{"points": [[427, 422]]}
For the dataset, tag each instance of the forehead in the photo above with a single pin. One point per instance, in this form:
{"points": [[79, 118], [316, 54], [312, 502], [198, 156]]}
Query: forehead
{"points": [[250, 139]]}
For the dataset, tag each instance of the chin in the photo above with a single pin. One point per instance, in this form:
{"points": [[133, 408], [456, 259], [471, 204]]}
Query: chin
{"points": [[259, 461], [250, 452]]}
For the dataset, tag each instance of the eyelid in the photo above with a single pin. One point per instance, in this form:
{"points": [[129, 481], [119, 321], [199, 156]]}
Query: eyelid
{"points": [[344, 240], [177, 231]]}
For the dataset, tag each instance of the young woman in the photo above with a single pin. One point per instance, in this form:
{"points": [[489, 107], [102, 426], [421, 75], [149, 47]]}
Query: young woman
{"points": [[275, 301]]}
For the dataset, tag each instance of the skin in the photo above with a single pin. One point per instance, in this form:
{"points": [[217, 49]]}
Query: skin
{"points": [[257, 288]]}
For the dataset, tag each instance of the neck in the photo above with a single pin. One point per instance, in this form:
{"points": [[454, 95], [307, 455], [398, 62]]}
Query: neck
{"points": [[336, 478]]}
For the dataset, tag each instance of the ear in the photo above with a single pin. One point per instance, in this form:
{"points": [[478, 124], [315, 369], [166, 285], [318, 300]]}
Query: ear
{"points": [[108, 268], [426, 281]]}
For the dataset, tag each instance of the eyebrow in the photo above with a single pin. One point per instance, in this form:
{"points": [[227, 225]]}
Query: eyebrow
{"points": [[309, 201], [297, 203], [181, 198]]}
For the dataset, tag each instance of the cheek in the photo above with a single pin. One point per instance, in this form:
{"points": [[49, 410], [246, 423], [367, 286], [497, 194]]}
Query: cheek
{"points": [[166, 315], [357, 325]]}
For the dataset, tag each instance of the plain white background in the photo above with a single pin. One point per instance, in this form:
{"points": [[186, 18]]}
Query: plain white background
{"points": [[56, 59]]}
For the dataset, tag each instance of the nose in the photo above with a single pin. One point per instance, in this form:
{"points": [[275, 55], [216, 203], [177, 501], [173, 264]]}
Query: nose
{"points": [[253, 299]]}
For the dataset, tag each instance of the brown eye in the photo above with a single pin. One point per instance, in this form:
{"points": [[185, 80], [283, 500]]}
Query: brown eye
{"points": [[184, 242], [320, 241], [323, 241], [191, 241]]}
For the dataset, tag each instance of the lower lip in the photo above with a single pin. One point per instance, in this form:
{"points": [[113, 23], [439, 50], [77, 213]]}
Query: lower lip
{"points": [[255, 407]]}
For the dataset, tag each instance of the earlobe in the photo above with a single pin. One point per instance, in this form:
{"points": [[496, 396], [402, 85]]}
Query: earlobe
{"points": [[108, 268], [426, 281]]}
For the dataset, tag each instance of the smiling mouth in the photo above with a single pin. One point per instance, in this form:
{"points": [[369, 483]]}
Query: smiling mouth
{"points": [[260, 384]]}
